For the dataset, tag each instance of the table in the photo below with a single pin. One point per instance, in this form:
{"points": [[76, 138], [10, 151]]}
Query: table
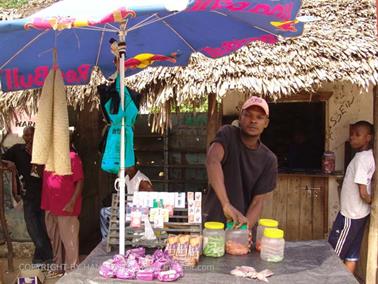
{"points": [[305, 262]]}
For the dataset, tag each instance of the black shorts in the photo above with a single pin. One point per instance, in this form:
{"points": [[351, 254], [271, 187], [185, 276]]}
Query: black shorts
{"points": [[346, 237]]}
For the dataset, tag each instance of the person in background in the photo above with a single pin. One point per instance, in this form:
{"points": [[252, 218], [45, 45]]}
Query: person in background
{"points": [[241, 169], [355, 198], [137, 182], [18, 157], [61, 200]]}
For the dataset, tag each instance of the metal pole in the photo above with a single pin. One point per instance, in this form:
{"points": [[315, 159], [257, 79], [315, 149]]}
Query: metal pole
{"points": [[122, 199]]}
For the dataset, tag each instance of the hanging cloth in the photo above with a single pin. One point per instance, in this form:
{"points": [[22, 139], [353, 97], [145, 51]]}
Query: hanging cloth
{"points": [[113, 114], [51, 137]]}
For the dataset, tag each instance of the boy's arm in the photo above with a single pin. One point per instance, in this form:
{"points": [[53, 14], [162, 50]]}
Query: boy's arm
{"points": [[71, 204], [365, 196]]}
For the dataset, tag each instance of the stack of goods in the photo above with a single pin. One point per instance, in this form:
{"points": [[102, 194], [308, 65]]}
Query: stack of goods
{"points": [[136, 265], [194, 207], [184, 249]]}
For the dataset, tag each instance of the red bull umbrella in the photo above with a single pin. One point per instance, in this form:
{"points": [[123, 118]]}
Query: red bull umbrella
{"points": [[157, 33], [149, 32]]}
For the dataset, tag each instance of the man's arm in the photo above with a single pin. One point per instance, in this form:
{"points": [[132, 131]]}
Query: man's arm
{"points": [[365, 196], [254, 210], [216, 179], [145, 185]]}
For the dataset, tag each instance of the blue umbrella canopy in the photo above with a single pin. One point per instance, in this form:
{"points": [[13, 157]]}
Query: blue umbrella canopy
{"points": [[158, 32]]}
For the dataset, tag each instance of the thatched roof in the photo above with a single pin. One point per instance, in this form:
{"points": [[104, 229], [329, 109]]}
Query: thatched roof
{"points": [[340, 46]]}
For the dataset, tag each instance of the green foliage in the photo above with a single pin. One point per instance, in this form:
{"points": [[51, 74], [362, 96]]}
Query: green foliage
{"points": [[200, 107], [12, 3]]}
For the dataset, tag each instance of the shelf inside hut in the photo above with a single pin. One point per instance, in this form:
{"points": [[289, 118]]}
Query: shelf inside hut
{"points": [[296, 134]]}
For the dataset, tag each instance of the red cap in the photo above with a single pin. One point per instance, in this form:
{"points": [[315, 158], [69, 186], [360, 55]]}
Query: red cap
{"points": [[256, 101]]}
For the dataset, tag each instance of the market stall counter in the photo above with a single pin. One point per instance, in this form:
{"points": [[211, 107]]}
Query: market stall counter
{"points": [[305, 262]]}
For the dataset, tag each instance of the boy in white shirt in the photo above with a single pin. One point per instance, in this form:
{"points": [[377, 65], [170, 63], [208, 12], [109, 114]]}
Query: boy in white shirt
{"points": [[348, 228]]}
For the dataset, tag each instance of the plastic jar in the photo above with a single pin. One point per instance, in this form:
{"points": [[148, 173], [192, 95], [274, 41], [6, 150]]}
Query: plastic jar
{"points": [[328, 162], [213, 239], [237, 240], [264, 223], [272, 245]]}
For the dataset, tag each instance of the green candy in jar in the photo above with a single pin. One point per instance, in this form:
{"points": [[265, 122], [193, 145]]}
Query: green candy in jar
{"points": [[213, 239]]}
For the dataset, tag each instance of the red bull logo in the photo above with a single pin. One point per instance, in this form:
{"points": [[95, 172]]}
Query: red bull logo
{"points": [[286, 26], [16, 81], [229, 46], [143, 60]]}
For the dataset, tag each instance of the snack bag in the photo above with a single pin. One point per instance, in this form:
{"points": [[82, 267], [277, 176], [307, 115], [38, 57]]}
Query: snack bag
{"points": [[172, 243], [183, 246], [194, 250]]}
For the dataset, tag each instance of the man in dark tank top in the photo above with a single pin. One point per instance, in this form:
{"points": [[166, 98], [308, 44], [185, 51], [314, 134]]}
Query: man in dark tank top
{"points": [[241, 169]]}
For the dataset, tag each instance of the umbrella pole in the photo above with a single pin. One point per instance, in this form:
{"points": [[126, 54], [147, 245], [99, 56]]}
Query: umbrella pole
{"points": [[122, 193]]}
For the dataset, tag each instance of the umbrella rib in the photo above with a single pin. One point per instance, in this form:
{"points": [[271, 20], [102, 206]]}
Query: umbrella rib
{"points": [[137, 25], [99, 48], [249, 24], [154, 21], [23, 48], [179, 35], [97, 29]]}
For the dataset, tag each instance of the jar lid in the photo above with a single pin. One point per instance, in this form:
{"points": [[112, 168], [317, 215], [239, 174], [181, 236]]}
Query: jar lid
{"points": [[214, 225], [230, 225], [273, 233], [268, 222]]}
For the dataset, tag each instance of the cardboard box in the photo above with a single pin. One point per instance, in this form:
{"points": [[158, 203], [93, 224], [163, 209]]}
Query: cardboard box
{"points": [[32, 276]]}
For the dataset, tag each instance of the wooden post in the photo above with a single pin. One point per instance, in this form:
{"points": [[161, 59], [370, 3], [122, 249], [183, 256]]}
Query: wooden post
{"points": [[212, 118], [372, 257]]}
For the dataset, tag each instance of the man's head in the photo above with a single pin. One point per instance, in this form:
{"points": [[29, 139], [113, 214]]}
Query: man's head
{"points": [[361, 135], [254, 116], [28, 134]]}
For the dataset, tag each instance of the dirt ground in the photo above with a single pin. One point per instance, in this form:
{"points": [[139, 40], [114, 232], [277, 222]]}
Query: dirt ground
{"points": [[23, 257], [10, 277]]}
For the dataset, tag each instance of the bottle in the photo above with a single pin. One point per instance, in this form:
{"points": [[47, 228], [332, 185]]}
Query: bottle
{"points": [[272, 245], [262, 224], [328, 162], [213, 239], [237, 240]]}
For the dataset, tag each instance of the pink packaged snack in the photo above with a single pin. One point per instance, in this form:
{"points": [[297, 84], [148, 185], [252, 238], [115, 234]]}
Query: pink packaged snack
{"points": [[119, 259], [125, 273], [145, 275], [106, 271], [168, 276], [135, 265]]}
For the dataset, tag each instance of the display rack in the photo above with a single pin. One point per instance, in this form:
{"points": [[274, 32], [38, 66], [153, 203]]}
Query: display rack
{"points": [[178, 223]]}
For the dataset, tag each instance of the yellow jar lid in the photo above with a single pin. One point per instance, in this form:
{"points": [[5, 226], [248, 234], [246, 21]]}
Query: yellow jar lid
{"points": [[214, 225], [273, 233], [268, 223]]}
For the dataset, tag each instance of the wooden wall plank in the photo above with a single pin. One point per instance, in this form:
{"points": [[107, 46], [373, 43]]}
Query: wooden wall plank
{"points": [[305, 216], [267, 211], [318, 207], [293, 208], [280, 202]]}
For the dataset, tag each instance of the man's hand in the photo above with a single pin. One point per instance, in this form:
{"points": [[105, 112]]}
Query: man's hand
{"points": [[232, 213], [69, 206]]}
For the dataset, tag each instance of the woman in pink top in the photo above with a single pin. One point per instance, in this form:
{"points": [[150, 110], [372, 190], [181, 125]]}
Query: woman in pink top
{"points": [[61, 199]]}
